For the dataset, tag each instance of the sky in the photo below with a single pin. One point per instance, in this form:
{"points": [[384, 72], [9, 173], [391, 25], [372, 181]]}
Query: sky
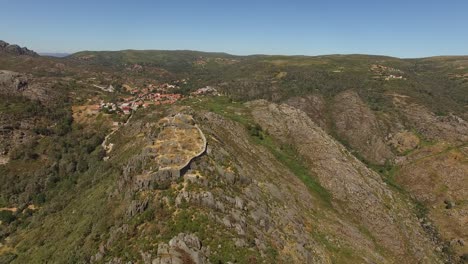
{"points": [[407, 29]]}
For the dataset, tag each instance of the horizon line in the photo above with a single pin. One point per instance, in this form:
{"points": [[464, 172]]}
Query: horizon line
{"points": [[254, 54]]}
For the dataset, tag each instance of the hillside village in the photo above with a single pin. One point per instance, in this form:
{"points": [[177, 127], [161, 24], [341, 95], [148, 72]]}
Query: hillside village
{"points": [[161, 94]]}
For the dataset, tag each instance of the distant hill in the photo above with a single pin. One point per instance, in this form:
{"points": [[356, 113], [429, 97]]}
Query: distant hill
{"points": [[438, 82], [58, 55], [176, 61]]}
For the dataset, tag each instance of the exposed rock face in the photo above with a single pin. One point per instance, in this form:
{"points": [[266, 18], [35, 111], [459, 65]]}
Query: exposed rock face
{"points": [[356, 123], [137, 207], [205, 199], [19, 84], [314, 106], [256, 199], [15, 49], [361, 192], [12, 83], [182, 249], [404, 141], [449, 128], [164, 177], [14, 131], [3, 44]]}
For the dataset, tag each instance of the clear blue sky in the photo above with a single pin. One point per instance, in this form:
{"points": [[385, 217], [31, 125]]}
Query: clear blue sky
{"points": [[411, 28]]}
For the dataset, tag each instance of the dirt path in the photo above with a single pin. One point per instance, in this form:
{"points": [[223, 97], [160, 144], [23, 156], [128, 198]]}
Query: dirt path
{"points": [[11, 209], [108, 146], [4, 160]]}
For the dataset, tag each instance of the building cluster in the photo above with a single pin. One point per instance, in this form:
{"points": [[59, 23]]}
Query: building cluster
{"points": [[152, 88], [391, 76], [386, 73], [142, 98], [150, 95]]}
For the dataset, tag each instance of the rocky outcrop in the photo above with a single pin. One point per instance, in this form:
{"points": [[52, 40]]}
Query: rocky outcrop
{"points": [[178, 142], [136, 207], [3, 44], [355, 122], [20, 84], [165, 176], [450, 128], [13, 130], [13, 83], [404, 141], [182, 249], [314, 106], [15, 50]]}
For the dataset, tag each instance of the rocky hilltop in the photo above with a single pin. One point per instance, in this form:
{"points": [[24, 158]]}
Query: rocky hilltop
{"points": [[13, 49], [14, 84]]}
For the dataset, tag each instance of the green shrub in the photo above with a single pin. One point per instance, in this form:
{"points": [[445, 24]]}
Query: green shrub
{"points": [[7, 217], [7, 257], [256, 131]]}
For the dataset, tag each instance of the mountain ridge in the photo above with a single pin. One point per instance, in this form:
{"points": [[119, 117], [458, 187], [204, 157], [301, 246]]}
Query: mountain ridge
{"points": [[274, 55]]}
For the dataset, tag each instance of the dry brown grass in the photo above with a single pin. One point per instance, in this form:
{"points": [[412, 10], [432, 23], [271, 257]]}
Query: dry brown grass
{"points": [[178, 142]]}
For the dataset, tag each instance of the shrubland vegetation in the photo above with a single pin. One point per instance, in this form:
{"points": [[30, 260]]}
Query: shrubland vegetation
{"points": [[59, 166], [280, 77]]}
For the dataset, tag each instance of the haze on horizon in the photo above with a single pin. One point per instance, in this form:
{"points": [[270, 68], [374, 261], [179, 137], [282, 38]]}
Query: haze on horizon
{"points": [[400, 28]]}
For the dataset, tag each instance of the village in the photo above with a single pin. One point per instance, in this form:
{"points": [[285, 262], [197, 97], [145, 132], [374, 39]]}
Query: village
{"points": [[151, 95]]}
